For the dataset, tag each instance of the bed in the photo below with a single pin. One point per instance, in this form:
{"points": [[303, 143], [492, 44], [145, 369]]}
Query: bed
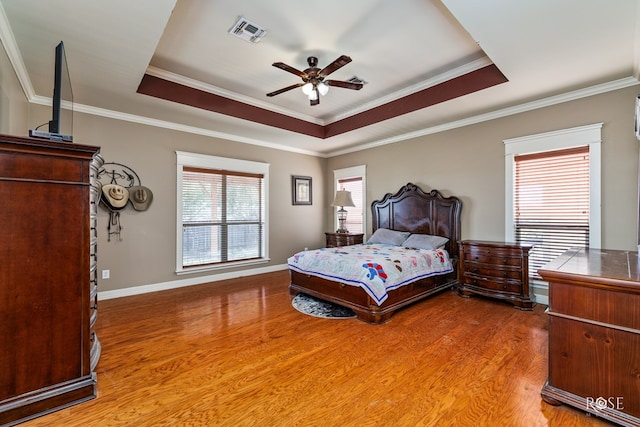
{"points": [[408, 210]]}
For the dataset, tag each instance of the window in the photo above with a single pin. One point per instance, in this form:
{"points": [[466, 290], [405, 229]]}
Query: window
{"points": [[551, 202], [354, 213], [221, 212], [353, 180], [553, 192]]}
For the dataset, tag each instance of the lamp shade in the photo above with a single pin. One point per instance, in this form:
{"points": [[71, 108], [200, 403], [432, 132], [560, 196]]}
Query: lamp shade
{"points": [[307, 88], [323, 88], [343, 198]]}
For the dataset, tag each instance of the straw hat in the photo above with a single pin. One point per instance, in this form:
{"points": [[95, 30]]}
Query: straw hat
{"points": [[140, 197], [115, 196]]}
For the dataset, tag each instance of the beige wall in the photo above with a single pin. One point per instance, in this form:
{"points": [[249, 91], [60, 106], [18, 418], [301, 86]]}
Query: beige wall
{"points": [[147, 252], [13, 102], [466, 162], [469, 163]]}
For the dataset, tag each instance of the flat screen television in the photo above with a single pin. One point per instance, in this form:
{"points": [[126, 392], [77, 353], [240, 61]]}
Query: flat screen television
{"points": [[61, 123]]}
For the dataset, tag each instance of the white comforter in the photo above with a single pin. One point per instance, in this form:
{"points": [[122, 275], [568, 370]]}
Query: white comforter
{"points": [[377, 268]]}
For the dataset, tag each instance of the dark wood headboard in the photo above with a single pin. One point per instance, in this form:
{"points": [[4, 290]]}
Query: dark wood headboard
{"points": [[413, 210]]}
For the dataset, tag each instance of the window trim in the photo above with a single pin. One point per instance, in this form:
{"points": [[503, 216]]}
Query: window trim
{"points": [[346, 173], [590, 135], [204, 161]]}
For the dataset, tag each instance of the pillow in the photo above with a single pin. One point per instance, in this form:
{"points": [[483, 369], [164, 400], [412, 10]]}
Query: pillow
{"points": [[425, 241], [388, 237]]}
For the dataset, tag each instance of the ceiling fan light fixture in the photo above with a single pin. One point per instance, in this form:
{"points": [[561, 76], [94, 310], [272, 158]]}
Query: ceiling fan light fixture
{"points": [[313, 83], [323, 88], [307, 88]]}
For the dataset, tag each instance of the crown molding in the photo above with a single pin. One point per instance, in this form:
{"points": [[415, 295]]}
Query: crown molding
{"points": [[133, 118], [205, 87], [440, 78], [505, 112], [11, 47], [425, 84]]}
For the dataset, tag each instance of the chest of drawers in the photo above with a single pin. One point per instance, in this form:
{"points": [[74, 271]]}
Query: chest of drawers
{"points": [[497, 270], [594, 333], [48, 294]]}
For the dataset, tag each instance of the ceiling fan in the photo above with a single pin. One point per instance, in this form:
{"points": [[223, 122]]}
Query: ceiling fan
{"points": [[313, 78]]}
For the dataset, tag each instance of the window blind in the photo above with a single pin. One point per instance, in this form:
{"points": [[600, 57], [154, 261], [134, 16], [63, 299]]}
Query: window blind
{"points": [[551, 203], [222, 216], [354, 213]]}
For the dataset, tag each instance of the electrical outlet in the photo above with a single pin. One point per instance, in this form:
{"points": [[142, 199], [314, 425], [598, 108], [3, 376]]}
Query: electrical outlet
{"points": [[106, 274]]}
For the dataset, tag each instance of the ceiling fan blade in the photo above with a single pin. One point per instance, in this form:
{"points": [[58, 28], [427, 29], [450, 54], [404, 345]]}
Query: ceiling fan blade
{"points": [[338, 63], [289, 69], [346, 85], [284, 89]]}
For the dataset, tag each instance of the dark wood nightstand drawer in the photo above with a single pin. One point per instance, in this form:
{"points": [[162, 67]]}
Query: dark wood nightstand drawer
{"points": [[493, 271], [493, 255], [512, 286], [343, 239]]}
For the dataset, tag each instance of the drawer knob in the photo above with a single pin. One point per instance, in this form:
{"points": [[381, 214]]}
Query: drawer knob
{"points": [[506, 260], [504, 274]]}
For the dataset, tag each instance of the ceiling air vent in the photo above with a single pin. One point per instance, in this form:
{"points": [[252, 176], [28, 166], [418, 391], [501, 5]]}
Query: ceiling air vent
{"points": [[356, 79], [247, 30]]}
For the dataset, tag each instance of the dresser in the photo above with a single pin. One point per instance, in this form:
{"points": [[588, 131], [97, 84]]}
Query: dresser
{"points": [[594, 333], [48, 283], [342, 239], [497, 270], [95, 191]]}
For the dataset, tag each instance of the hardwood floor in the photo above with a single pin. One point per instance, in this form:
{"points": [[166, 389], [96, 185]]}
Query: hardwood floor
{"points": [[236, 353]]}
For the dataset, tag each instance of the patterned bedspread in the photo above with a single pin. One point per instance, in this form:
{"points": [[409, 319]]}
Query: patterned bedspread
{"points": [[377, 268]]}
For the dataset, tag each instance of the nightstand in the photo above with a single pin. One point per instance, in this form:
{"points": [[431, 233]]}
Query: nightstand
{"points": [[495, 269], [343, 239]]}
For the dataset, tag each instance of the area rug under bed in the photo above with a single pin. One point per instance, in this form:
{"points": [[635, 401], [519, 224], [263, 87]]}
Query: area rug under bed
{"points": [[319, 308]]}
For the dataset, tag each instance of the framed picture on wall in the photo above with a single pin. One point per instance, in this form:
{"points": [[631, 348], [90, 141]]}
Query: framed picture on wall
{"points": [[301, 190]]}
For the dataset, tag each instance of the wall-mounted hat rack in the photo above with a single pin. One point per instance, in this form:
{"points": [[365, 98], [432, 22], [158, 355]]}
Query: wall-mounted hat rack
{"points": [[121, 186]]}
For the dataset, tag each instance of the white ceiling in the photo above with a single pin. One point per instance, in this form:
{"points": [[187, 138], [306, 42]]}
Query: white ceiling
{"points": [[549, 50]]}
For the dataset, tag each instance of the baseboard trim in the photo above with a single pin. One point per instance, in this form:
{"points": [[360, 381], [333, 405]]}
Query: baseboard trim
{"points": [[540, 298], [174, 284], [540, 291]]}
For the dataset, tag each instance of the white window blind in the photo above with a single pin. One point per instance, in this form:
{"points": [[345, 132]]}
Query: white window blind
{"points": [[222, 216], [551, 202], [354, 221]]}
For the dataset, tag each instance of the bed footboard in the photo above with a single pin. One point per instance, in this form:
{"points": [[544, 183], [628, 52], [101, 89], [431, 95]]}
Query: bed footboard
{"points": [[357, 299]]}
